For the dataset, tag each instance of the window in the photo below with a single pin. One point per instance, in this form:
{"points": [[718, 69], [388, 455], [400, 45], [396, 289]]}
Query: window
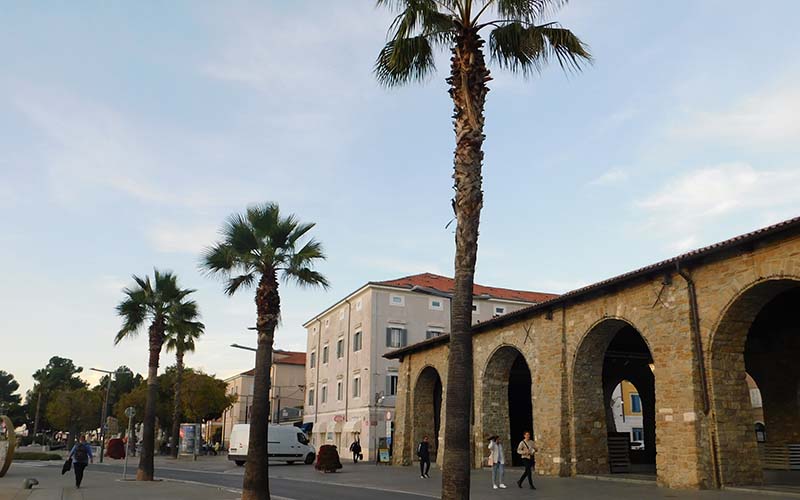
{"points": [[311, 397], [357, 342], [475, 308], [761, 433], [397, 300], [396, 337], [358, 305], [433, 333], [327, 322], [499, 310], [325, 355], [301, 438], [356, 387], [391, 385], [339, 391], [636, 403], [340, 348], [324, 394], [436, 305], [313, 360], [638, 434]]}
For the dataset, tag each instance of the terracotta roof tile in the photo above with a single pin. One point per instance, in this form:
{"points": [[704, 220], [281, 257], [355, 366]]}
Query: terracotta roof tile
{"points": [[443, 284]]}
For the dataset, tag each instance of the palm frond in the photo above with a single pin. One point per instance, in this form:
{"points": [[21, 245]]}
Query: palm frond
{"points": [[527, 10], [239, 234], [404, 60], [305, 278], [263, 218], [244, 280], [526, 49], [219, 259]]}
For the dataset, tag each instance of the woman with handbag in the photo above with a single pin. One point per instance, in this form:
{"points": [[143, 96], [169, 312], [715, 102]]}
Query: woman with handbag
{"points": [[526, 450]]}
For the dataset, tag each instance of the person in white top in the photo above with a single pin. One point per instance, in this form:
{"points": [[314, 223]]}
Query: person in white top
{"points": [[498, 461]]}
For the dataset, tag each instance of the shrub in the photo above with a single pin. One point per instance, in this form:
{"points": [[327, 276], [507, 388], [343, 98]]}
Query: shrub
{"points": [[33, 455]]}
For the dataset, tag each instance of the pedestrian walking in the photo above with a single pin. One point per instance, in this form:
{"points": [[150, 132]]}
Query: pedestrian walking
{"points": [[81, 455], [355, 449], [424, 454], [498, 461], [526, 451]]}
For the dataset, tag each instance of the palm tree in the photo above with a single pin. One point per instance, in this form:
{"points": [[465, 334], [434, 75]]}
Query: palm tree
{"points": [[156, 304], [256, 250], [182, 332], [520, 42]]}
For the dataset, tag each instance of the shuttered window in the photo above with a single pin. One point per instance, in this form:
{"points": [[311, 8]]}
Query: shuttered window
{"points": [[357, 342], [396, 337], [391, 385]]}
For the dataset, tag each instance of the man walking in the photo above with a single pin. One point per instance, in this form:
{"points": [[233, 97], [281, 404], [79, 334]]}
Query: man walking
{"points": [[81, 455], [526, 450], [424, 454], [355, 449]]}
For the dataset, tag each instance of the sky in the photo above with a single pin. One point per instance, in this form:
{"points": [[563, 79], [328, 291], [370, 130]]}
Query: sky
{"points": [[129, 131]]}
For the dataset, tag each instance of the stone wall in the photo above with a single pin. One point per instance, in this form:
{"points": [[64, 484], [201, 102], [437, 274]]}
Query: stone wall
{"points": [[704, 436]]}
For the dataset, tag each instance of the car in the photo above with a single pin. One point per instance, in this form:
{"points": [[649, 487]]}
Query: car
{"points": [[286, 443]]}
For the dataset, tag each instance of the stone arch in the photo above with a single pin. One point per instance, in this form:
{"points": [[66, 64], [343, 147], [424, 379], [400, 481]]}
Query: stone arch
{"points": [[732, 356], [507, 403], [427, 414], [595, 374]]}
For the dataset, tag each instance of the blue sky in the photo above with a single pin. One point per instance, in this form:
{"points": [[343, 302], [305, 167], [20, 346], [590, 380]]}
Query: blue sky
{"points": [[129, 131]]}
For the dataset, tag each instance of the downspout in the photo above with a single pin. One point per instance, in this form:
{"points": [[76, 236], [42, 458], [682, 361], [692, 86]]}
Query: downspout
{"points": [[347, 361], [694, 324]]}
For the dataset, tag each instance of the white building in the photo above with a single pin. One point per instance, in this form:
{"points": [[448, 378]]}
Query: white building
{"points": [[350, 387]]}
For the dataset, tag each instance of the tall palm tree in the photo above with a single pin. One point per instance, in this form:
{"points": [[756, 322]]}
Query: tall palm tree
{"points": [[257, 249], [156, 304], [182, 332], [520, 42]]}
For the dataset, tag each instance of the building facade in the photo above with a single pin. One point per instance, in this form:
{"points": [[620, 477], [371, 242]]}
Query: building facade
{"points": [[351, 387], [686, 332], [286, 392]]}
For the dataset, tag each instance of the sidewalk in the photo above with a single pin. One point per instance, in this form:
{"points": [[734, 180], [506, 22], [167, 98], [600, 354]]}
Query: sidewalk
{"points": [[99, 485]]}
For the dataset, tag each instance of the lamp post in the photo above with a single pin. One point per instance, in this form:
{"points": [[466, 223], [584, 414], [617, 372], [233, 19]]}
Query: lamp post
{"points": [[104, 412]]}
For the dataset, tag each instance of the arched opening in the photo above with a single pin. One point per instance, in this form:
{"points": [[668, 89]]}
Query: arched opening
{"points": [[507, 402], [756, 346], [427, 413], [614, 361]]}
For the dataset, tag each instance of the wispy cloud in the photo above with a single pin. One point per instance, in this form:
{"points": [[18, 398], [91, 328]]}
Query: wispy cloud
{"points": [[610, 177], [692, 202], [766, 118], [176, 238]]}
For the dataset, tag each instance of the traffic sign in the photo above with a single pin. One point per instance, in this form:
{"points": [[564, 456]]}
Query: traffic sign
{"points": [[130, 411]]}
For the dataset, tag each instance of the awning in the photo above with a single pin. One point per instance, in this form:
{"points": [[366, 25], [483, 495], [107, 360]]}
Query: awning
{"points": [[352, 426], [321, 427], [337, 427]]}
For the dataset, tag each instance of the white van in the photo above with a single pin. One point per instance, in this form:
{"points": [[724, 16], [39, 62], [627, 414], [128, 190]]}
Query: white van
{"points": [[287, 443]]}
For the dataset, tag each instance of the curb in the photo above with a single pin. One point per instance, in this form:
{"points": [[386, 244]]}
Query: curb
{"points": [[774, 493], [628, 480]]}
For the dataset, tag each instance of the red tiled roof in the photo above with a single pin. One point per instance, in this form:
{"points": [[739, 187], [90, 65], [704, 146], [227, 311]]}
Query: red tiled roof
{"points": [[289, 358], [444, 284]]}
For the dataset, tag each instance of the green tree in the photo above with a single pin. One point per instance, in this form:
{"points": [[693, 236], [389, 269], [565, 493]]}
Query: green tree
{"points": [[125, 380], [205, 397], [183, 331], [10, 401], [520, 42], [258, 248], [74, 411], [155, 304], [59, 373]]}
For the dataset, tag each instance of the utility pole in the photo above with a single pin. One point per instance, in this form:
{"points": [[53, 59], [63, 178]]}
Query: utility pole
{"points": [[36, 419], [104, 412]]}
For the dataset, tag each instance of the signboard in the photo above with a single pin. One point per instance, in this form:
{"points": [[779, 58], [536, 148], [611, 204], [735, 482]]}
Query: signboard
{"points": [[190, 439], [383, 455], [130, 411], [338, 418]]}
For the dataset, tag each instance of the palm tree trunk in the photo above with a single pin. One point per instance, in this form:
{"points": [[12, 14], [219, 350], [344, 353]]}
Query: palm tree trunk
{"points": [[156, 340], [176, 409], [468, 90], [255, 485]]}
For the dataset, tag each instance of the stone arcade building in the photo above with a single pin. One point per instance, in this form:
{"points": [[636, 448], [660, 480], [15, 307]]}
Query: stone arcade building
{"points": [[685, 332]]}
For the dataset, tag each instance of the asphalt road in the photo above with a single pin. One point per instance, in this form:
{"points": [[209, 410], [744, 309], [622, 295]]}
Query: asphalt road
{"points": [[295, 489]]}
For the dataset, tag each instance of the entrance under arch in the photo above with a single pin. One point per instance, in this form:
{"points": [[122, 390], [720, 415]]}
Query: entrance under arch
{"points": [[507, 403], [613, 354], [756, 346], [427, 413]]}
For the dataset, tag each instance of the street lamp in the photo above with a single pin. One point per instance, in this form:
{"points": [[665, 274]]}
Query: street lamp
{"points": [[104, 412]]}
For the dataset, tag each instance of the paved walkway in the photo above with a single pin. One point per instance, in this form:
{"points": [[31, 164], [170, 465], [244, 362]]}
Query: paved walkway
{"points": [[99, 486]]}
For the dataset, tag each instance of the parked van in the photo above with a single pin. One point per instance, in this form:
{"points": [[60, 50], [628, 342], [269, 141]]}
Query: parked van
{"points": [[287, 443]]}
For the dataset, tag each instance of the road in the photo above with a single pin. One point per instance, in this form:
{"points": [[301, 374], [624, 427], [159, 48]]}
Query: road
{"points": [[300, 488]]}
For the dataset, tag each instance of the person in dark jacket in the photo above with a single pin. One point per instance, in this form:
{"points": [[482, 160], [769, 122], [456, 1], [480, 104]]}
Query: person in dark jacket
{"points": [[424, 454], [81, 455], [355, 449]]}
